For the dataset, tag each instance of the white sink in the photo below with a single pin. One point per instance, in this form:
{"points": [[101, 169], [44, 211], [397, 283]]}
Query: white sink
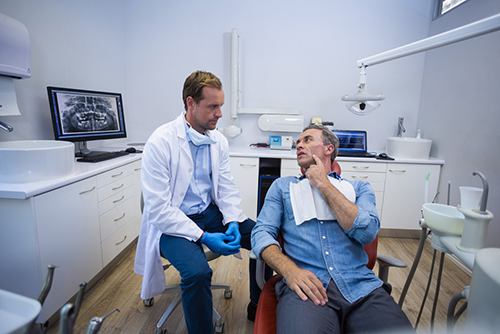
{"points": [[444, 219], [17, 313], [408, 148], [35, 160]]}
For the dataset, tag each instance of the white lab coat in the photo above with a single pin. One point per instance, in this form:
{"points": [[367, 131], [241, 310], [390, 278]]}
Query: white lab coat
{"points": [[167, 168]]}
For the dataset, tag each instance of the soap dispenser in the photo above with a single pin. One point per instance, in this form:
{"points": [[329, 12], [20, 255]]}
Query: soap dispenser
{"points": [[418, 134]]}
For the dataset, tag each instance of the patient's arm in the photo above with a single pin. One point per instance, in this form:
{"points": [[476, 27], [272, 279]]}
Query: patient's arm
{"points": [[344, 210], [303, 282]]}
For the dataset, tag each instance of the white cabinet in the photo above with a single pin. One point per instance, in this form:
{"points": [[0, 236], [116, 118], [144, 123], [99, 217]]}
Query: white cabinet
{"points": [[79, 227], [245, 172], [289, 167], [371, 172], [68, 236], [404, 194]]}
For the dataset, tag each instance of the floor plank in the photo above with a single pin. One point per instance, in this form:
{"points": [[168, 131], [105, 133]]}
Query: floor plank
{"points": [[120, 288]]}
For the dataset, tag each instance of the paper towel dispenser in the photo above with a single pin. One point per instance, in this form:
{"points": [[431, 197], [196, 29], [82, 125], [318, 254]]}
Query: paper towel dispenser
{"points": [[15, 49]]}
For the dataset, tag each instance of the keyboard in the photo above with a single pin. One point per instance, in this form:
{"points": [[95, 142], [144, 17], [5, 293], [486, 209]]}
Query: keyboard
{"points": [[103, 156], [356, 154]]}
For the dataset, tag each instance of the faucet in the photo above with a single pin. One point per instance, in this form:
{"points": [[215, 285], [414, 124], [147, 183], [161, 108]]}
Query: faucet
{"points": [[484, 198], [401, 127], [6, 127]]}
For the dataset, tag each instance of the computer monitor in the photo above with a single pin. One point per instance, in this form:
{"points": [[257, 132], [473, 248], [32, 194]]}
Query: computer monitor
{"points": [[82, 115]]}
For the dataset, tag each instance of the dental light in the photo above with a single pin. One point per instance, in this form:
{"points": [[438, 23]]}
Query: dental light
{"points": [[362, 103]]}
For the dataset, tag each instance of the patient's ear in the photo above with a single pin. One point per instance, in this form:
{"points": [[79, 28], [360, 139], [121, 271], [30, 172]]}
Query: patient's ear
{"points": [[329, 149]]}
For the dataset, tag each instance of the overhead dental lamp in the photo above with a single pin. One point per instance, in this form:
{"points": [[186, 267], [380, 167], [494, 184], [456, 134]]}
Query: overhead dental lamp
{"points": [[362, 103]]}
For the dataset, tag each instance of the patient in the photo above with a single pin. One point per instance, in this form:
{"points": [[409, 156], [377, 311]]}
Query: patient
{"points": [[325, 221]]}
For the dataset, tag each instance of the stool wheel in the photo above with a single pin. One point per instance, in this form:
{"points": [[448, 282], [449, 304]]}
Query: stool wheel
{"points": [[219, 328], [228, 294], [148, 302]]}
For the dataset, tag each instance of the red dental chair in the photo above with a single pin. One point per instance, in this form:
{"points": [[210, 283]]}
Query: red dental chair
{"points": [[265, 319]]}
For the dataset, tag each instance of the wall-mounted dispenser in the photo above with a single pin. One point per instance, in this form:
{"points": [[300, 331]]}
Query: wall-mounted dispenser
{"points": [[15, 59], [281, 123]]}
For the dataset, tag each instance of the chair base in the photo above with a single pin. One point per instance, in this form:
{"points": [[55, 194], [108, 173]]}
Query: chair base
{"points": [[175, 288]]}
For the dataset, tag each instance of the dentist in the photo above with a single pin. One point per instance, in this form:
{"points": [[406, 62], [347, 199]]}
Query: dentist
{"points": [[190, 199]]}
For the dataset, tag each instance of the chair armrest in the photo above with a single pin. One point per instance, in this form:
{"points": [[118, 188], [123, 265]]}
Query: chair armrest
{"points": [[260, 268], [385, 262]]}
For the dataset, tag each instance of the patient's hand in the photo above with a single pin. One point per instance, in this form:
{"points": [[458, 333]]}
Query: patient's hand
{"points": [[306, 284], [317, 174]]}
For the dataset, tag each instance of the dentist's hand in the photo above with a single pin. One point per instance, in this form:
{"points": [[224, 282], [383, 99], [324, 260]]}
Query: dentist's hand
{"points": [[217, 243], [234, 230]]}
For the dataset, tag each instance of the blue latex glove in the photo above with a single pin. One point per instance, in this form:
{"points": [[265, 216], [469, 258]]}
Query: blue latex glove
{"points": [[217, 243], [234, 230]]}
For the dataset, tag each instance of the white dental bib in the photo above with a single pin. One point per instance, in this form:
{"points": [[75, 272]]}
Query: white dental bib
{"points": [[308, 203]]}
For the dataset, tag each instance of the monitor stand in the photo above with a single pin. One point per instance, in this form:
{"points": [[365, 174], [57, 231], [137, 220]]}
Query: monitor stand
{"points": [[83, 151]]}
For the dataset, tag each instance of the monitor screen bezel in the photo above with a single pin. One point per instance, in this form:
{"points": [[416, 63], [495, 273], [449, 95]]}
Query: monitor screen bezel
{"points": [[348, 133], [85, 136]]}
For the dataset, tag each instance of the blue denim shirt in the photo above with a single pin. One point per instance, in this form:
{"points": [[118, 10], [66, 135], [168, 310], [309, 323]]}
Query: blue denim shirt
{"points": [[322, 247]]}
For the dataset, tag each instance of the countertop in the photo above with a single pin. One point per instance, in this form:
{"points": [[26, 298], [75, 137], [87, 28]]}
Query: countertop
{"points": [[82, 171], [254, 152]]}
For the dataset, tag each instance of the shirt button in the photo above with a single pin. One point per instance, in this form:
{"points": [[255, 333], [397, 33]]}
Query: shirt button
{"points": [[182, 194], [330, 268], [321, 222], [190, 170], [324, 237], [327, 253]]}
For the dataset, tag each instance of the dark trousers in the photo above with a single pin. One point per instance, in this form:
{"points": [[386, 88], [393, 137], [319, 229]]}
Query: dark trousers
{"points": [[375, 313], [196, 275]]}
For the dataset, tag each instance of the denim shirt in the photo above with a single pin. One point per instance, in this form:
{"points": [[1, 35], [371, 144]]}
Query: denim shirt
{"points": [[322, 247]]}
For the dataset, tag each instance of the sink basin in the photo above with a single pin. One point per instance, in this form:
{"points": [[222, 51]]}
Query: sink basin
{"points": [[35, 160], [17, 313], [444, 219], [408, 148]]}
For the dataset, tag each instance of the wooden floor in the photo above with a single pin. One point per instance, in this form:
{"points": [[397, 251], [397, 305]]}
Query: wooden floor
{"points": [[120, 288]]}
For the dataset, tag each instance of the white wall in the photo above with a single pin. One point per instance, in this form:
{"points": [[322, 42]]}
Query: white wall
{"points": [[295, 54], [79, 44], [459, 109]]}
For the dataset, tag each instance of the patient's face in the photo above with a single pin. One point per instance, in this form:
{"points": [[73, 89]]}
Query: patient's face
{"points": [[310, 142]]}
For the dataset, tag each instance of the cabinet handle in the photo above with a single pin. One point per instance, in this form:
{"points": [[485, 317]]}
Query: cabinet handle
{"points": [[248, 165], [118, 187], [116, 175], [136, 169], [117, 219], [87, 191], [399, 171], [125, 238], [360, 167], [118, 200], [362, 177]]}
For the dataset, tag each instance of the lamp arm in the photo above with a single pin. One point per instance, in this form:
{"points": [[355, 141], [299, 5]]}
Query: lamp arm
{"points": [[468, 31]]}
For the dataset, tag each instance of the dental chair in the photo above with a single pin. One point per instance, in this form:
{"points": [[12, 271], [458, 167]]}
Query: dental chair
{"points": [[265, 318], [176, 289]]}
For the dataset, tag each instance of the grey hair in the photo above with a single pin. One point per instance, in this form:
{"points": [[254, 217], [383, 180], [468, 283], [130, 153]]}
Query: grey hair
{"points": [[328, 138]]}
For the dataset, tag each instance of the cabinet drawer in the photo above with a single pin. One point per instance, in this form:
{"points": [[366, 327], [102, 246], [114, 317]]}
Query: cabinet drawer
{"points": [[355, 166], [115, 200], [116, 218], [114, 174], [115, 187], [290, 164], [363, 176], [118, 241]]}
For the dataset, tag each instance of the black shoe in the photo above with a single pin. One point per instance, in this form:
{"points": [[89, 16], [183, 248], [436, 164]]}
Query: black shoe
{"points": [[251, 310]]}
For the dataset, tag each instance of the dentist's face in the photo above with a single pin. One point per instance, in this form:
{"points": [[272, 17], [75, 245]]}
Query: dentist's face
{"points": [[311, 142], [204, 115]]}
